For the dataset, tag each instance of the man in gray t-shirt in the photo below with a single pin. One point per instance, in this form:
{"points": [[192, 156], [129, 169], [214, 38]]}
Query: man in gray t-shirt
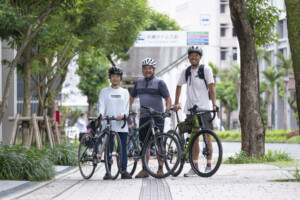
{"points": [[151, 92]]}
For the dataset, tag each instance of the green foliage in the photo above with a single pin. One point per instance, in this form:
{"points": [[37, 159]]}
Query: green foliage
{"points": [[93, 73], [68, 115], [271, 136], [263, 19], [270, 156], [160, 22], [20, 163], [64, 154]]}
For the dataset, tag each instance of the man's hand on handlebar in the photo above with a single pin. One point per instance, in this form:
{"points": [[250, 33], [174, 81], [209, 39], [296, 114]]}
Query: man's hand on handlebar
{"points": [[176, 107], [167, 113], [217, 109], [119, 118]]}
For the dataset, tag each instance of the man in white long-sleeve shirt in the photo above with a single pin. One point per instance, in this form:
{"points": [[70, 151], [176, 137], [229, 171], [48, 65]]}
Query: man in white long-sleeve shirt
{"points": [[114, 102]]}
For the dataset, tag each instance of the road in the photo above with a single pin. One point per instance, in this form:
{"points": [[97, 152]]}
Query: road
{"points": [[230, 148]]}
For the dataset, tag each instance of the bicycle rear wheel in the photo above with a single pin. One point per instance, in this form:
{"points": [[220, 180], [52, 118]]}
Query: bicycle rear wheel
{"points": [[182, 161], [132, 151], [211, 153], [167, 150], [113, 155], [86, 161]]}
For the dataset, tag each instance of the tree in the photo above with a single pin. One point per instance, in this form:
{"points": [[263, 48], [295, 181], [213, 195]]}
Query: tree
{"points": [[161, 22], [226, 90], [93, 75], [286, 64], [293, 18], [273, 78], [20, 23], [253, 21]]}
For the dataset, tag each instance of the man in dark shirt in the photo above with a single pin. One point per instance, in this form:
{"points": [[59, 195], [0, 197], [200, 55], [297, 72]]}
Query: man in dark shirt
{"points": [[151, 92]]}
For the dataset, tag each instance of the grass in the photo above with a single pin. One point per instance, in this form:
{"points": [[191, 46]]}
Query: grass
{"points": [[20, 163], [270, 156], [271, 136], [276, 158]]}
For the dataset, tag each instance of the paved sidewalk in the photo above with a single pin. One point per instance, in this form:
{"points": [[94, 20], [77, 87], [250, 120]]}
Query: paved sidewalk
{"points": [[234, 182]]}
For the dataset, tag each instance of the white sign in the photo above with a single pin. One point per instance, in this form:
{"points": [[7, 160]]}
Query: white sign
{"points": [[161, 38], [205, 19]]}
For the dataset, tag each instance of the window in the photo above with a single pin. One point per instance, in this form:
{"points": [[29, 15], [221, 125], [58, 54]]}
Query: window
{"points": [[234, 53], [280, 28], [233, 32], [223, 53], [223, 31], [222, 8]]}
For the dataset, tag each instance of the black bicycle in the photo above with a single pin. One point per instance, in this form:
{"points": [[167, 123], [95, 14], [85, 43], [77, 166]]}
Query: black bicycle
{"points": [[164, 146], [96, 143], [208, 151]]}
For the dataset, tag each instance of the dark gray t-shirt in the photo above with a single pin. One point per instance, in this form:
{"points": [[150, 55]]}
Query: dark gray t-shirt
{"points": [[150, 93]]}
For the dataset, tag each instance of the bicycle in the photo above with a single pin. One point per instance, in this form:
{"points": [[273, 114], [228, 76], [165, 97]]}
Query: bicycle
{"points": [[165, 146], [210, 146], [94, 144]]}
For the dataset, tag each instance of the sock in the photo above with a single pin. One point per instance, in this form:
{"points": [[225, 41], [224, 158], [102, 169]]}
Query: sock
{"points": [[195, 163], [160, 167], [208, 163]]}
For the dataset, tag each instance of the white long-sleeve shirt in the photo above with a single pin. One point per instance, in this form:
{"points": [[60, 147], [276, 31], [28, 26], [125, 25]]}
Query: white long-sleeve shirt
{"points": [[114, 102], [81, 124]]}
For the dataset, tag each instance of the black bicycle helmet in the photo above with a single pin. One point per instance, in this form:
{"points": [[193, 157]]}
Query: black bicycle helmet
{"points": [[195, 49], [149, 61], [115, 70]]}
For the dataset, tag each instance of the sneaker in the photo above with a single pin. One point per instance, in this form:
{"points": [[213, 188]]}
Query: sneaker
{"points": [[160, 172], [190, 173], [126, 175], [106, 177], [208, 169], [142, 174]]}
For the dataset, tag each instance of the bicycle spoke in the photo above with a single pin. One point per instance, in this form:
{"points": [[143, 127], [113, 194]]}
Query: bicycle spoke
{"points": [[85, 156]]}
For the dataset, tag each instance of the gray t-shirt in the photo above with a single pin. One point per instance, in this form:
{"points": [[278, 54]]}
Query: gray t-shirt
{"points": [[150, 93]]}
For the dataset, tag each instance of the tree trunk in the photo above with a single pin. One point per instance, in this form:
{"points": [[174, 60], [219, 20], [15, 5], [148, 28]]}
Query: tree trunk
{"points": [[270, 103], [228, 114], [285, 105], [27, 96], [91, 108], [253, 131], [293, 19]]}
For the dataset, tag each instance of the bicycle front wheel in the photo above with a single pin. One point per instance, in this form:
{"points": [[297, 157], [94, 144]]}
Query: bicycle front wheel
{"points": [[167, 151], [86, 161], [205, 153], [113, 155], [182, 161], [132, 152]]}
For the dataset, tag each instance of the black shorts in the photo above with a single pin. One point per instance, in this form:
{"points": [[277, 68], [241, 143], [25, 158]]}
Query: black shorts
{"points": [[206, 117], [159, 122]]}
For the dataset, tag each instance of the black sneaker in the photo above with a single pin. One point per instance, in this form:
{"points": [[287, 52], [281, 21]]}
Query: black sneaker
{"points": [[126, 175], [106, 177]]}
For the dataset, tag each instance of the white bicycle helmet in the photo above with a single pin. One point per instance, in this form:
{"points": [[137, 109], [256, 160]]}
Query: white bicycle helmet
{"points": [[149, 61]]}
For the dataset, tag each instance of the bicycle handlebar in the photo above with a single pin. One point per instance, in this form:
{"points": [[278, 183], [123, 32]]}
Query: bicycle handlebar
{"points": [[153, 112], [108, 119], [196, 111]]}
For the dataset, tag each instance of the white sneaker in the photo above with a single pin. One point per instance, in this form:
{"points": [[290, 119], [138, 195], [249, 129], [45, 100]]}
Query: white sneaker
{"points": [[207, 169], [190, 173]]}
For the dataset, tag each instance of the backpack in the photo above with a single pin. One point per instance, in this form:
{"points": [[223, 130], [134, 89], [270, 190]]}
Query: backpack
{"points": [[200, 75]]}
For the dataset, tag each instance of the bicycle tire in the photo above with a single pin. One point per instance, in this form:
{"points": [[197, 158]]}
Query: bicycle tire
{"points": [[113, 155], [205, 152], [162, 140], [86, 160], [182, 162], [131, 155]]}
